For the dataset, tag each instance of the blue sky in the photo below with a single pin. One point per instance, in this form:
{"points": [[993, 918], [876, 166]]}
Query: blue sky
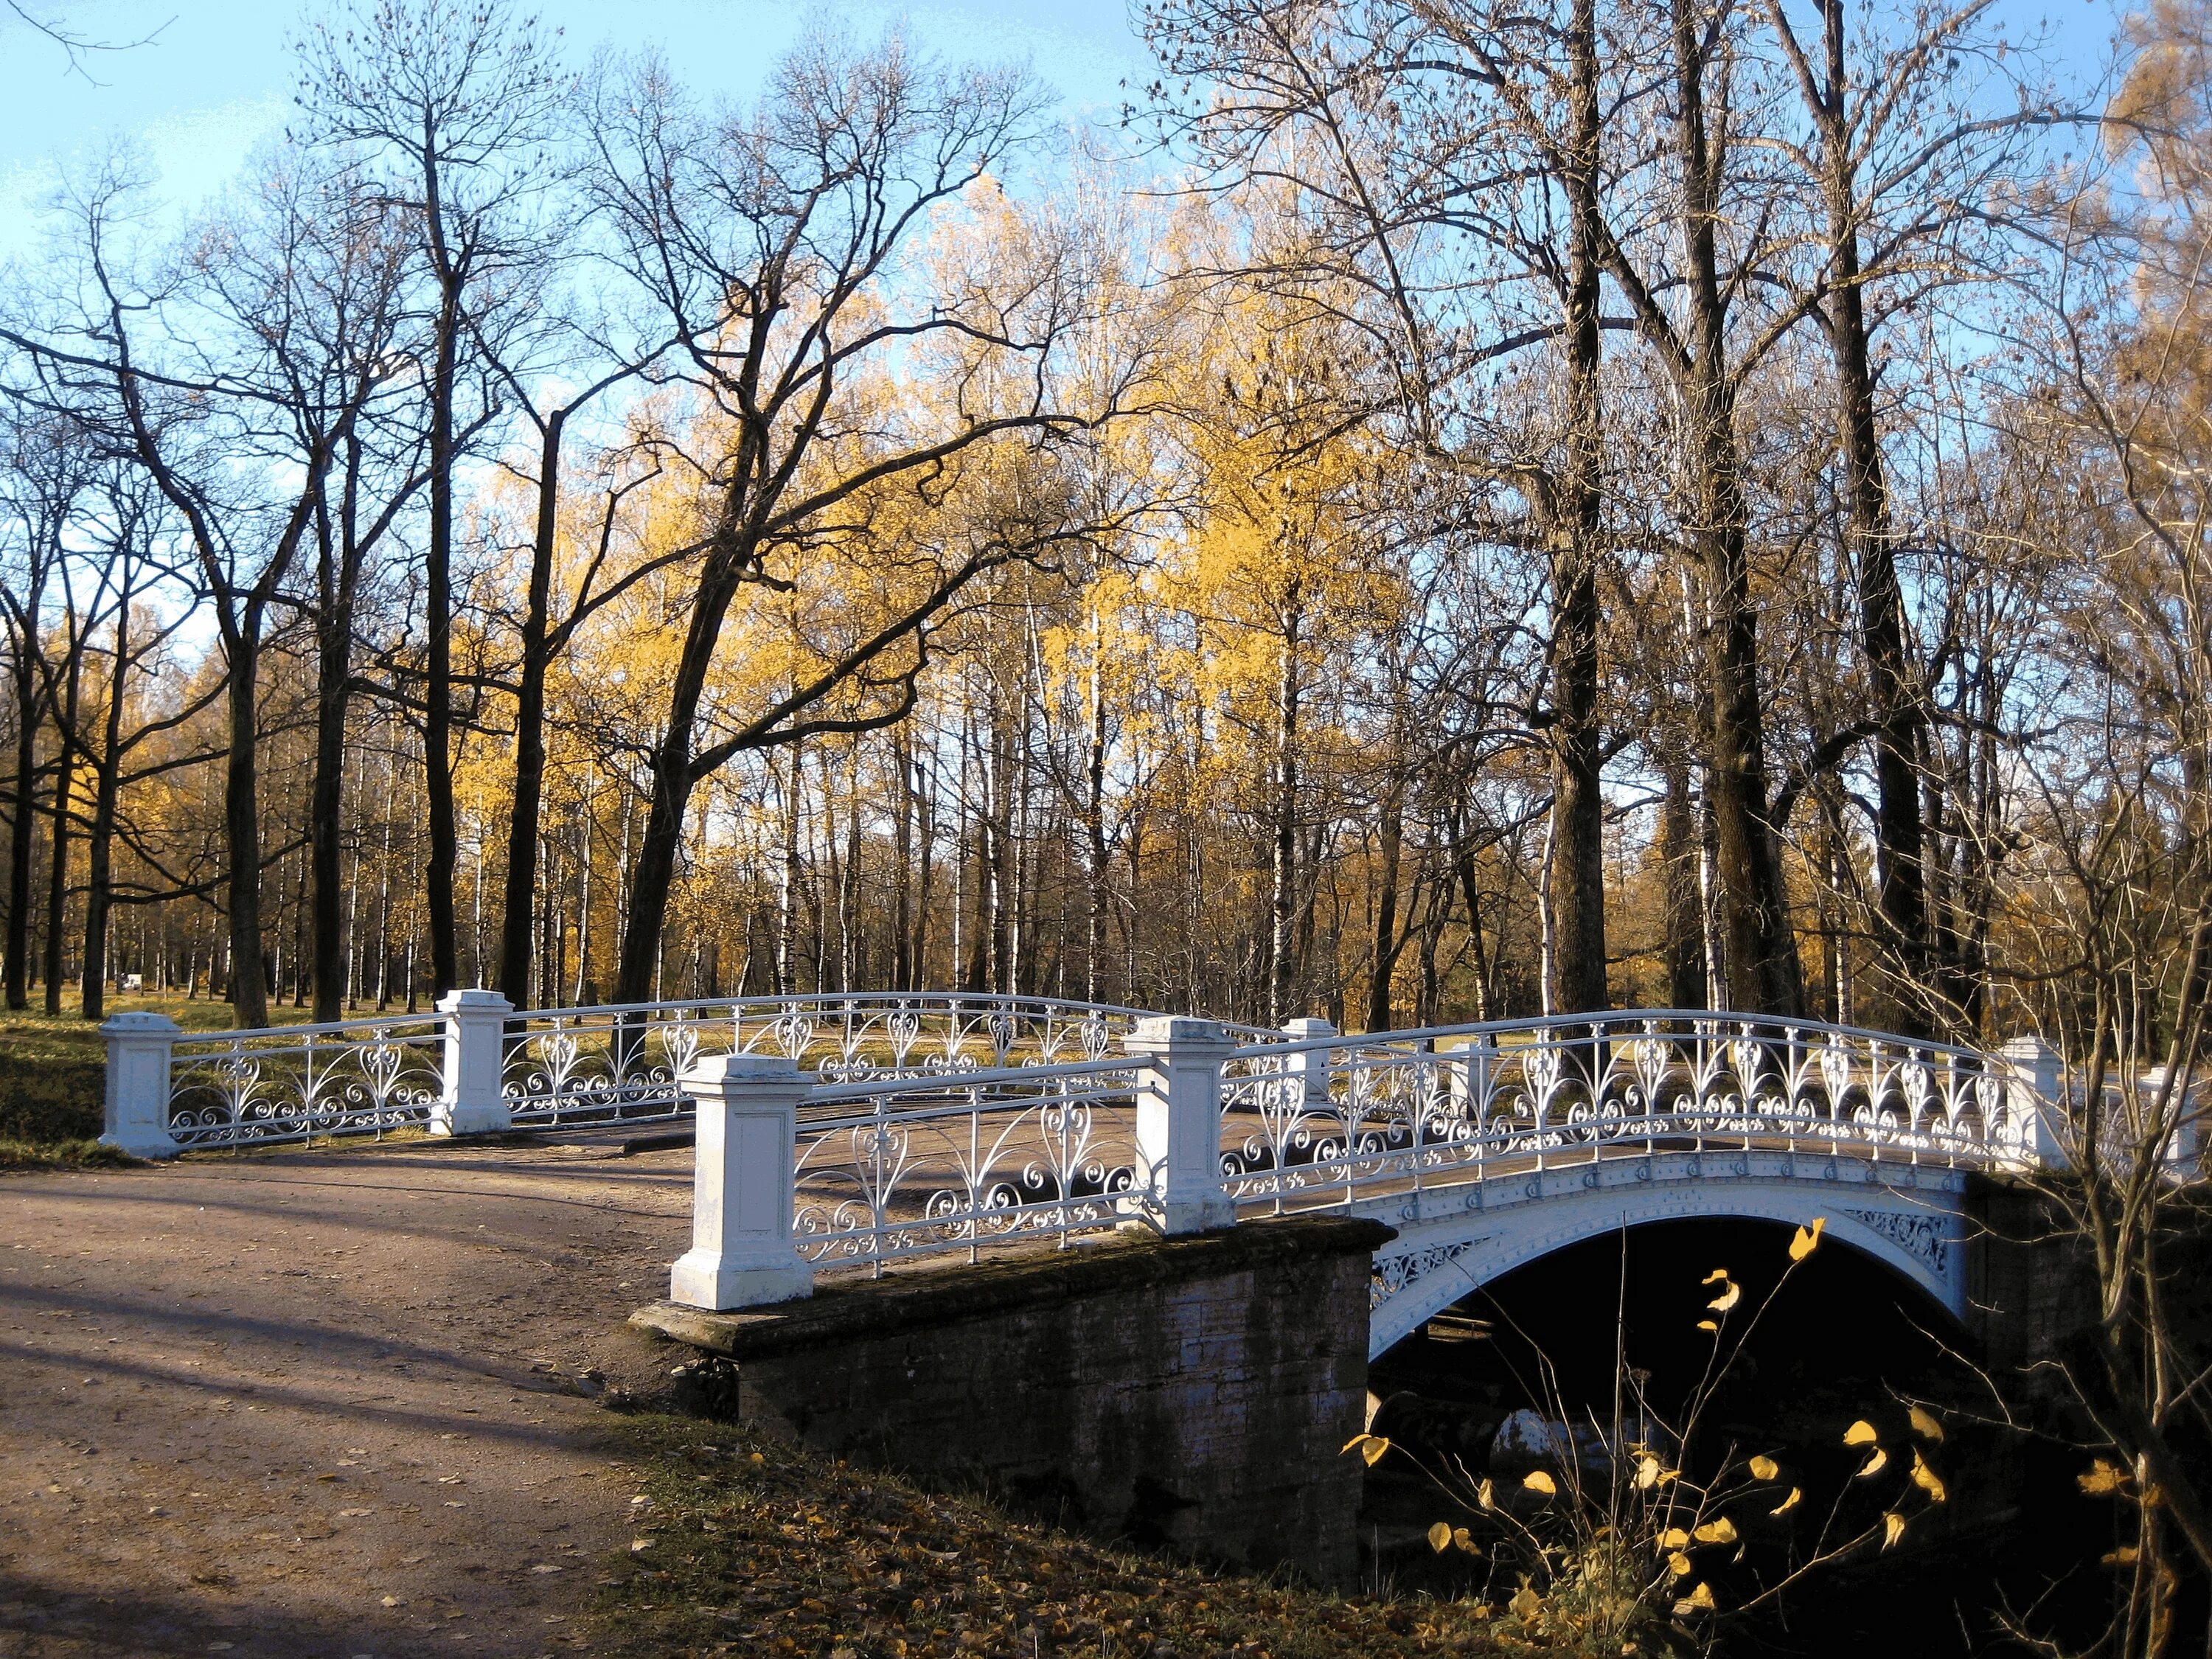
{"points": [[217, 76]]}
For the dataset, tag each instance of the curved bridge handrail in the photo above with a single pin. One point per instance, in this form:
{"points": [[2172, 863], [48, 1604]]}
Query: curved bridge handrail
{"points": [[952, 1083], [1595, 1026], [843, 1002]]}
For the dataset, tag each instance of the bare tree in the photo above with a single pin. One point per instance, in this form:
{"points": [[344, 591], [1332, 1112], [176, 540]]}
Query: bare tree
{"points": [[232, 374], [460, 99]]}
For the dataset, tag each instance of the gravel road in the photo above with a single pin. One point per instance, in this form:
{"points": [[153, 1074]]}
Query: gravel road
{"points": [[317, 1402]]}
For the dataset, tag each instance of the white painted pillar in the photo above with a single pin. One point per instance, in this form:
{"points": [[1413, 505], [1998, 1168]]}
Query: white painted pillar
{"points": [[474, 1099], [2184, 1151], [1311, 1064], [742, 1255], [1179, 1122], [2035, 1104], [138, 1098], [1469, 1071]]}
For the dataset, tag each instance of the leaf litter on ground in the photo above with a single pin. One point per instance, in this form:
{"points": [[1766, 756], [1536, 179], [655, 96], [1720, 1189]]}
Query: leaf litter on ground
{"points": [[755, 1546]]}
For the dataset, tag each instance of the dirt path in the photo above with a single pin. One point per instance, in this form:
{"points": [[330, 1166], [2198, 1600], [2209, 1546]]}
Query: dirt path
{"points": [[309, 1404]]}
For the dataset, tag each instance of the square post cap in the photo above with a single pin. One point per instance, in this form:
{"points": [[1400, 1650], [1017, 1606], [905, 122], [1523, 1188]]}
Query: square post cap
{"points": [[474, 1002], [139, 1025], [1176, 1034], [713, 1073]]}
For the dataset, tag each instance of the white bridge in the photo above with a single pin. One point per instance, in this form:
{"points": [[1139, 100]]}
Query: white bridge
{"points": [[846, 1132]]}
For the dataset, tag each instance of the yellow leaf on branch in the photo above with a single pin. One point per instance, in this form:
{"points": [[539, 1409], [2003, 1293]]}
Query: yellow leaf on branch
{"points": [[1371, 1448], [1700, 1599], [2103, 1480], [1807, 1239], [1927, 1480]]}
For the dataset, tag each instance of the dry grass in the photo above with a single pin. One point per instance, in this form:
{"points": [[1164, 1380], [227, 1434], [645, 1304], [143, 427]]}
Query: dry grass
{"points": [[751, 1546], [52, 1071]]}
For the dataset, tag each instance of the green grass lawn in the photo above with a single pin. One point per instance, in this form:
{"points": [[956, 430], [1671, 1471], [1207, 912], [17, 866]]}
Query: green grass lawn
{"points": [[53, 1067]]}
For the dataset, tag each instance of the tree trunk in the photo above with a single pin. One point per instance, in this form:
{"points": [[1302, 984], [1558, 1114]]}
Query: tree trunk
{"points": [[1577, 802], [1390, 843], [902, 881], [653, 874], [242, 815], [1684, 904], [57, 865], [1760, 952], [326, 790], [22, 827], [1900, 882], [1094, 820], [521, 896], [99, 845], [1282, 909], [444, 864]]}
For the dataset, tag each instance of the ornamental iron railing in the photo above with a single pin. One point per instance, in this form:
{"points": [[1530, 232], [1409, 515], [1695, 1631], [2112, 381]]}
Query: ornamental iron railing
{"points": [[476, 1064], [1313, 1123], [865, 1129]]}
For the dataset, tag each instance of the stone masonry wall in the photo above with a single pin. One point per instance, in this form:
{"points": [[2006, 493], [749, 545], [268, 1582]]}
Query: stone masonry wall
{"points": [[1190, 1393]]}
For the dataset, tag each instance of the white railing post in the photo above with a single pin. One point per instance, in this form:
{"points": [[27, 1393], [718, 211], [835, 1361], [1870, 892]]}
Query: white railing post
{"points": [[1311, 1064], [137, 1095], [1469, 1073], [2184, 1150], [2035, 1104], [473, 1101], [742, 1255], [1179, 1122]]}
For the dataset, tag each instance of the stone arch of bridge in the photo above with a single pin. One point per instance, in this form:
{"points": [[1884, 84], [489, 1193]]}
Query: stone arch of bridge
{"points": [[1915, 1230]]}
